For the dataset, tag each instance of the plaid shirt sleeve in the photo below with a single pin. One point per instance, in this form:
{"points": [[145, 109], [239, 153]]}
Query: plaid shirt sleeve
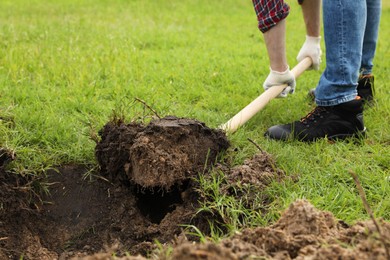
{"points": [[270, 12]]}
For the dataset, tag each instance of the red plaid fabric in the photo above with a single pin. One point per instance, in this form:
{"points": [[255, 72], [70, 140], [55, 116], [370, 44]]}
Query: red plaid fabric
{"points": [[270, 12]]}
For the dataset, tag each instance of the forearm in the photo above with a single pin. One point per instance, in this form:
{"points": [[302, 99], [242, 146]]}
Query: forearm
{"points": [[275, 41]]}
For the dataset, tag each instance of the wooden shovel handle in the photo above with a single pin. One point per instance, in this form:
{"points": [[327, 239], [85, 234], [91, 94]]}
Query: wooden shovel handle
{"points": [[261, 101]]}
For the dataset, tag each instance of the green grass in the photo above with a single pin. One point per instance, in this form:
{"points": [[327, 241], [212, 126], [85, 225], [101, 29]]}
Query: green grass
{"points": [[66, 65]]}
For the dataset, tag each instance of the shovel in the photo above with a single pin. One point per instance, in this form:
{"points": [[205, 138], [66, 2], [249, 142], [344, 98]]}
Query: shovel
{"points": [[261, 101]]}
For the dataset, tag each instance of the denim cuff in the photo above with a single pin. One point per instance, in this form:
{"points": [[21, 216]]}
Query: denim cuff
{"points": [[335, 102]]}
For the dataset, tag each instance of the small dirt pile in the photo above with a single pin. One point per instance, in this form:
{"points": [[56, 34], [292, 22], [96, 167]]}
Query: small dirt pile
{"points": [[302, 232]]}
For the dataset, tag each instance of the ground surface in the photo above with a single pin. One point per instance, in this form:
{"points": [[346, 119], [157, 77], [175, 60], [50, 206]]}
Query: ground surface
{"points": [[146, 188]]}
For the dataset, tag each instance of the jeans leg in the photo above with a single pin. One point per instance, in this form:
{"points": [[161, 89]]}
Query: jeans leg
{"points": [[370, 35], [344, 24]]}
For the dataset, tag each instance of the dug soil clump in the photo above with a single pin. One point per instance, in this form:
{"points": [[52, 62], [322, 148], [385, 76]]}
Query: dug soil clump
{"points": [[165, 153], [159, 164]]}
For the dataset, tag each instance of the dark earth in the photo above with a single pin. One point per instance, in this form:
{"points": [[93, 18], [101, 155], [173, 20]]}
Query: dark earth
{"points": [[147, 190]]}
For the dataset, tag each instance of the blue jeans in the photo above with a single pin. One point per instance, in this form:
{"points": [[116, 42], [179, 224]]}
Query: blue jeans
{"points": [[351, 33], [370, 35]]}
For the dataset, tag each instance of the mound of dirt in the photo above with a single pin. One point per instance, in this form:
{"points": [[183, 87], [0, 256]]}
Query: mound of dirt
{"points": [[165, 153], [249, 181], [302, 232]]}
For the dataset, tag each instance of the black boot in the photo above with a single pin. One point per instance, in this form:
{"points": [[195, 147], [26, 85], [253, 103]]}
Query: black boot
{"points": [[334, 122]]}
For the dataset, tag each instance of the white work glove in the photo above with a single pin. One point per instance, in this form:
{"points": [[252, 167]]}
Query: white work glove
{"points": [[311, 48], [276, 78]]}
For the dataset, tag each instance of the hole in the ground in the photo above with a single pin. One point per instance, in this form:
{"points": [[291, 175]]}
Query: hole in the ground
{"points": [[155, 205]]}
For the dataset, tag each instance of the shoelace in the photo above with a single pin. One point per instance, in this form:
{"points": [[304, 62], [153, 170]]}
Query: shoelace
{"points": [[312, 116]]}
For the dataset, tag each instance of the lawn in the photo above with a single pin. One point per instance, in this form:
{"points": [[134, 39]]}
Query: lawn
{"points": [[67, 66]]}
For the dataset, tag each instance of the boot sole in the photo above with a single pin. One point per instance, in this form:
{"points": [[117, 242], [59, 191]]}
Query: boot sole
{"points": [[360, 135]]}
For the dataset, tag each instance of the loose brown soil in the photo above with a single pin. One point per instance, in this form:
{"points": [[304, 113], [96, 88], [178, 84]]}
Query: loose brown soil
{"points": [[147, 190], [302, 232]]}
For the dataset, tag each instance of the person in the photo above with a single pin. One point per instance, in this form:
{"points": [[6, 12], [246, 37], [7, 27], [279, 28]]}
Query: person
{"points": [[339, 110]]}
